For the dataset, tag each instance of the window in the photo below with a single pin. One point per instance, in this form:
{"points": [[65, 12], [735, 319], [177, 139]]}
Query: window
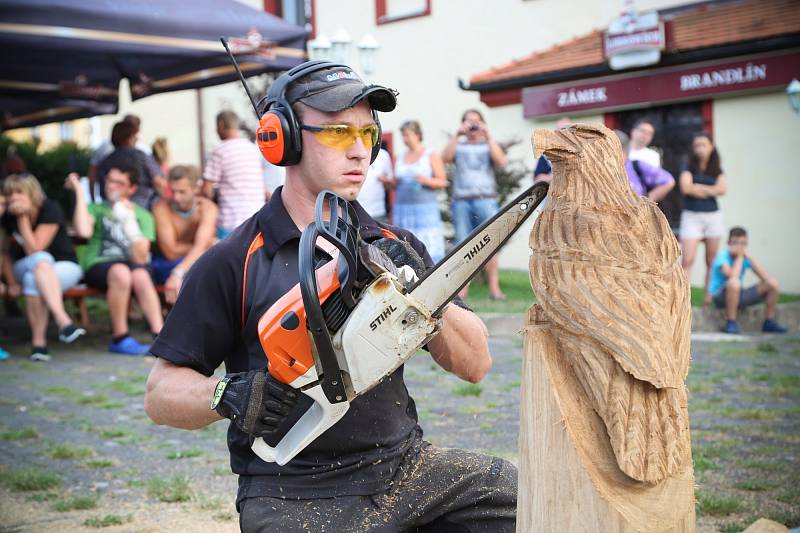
{"points": [[394, 10], [298, 12]]}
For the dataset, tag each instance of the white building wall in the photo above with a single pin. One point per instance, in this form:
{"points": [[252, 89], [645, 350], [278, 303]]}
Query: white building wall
{"points": [[758, 138], [424, 57]]}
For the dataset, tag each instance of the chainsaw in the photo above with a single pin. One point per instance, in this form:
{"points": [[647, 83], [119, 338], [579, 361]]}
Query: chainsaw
{"points": [[354, 320]]}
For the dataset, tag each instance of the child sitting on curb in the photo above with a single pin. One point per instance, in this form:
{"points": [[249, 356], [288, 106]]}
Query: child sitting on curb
{"points": [[727, 292]]}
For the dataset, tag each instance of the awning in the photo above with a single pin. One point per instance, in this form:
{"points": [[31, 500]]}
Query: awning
{"points": [[59, 52]]}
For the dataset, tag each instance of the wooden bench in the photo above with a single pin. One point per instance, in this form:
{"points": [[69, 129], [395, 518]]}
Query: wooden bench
{"points": [[79, 293]]}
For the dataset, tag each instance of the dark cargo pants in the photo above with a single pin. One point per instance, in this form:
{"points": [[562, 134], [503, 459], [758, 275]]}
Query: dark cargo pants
{"points": [[440, 489]]}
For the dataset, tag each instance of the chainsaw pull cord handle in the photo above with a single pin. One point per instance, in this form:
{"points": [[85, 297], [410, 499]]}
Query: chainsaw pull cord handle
{"points": [[343, 234]]}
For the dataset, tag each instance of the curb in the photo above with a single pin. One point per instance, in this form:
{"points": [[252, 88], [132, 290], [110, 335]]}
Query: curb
{"points": [[704, 320]]}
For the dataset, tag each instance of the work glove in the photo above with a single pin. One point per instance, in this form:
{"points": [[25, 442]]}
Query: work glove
{"points": [[255, 401], [402, 254]]}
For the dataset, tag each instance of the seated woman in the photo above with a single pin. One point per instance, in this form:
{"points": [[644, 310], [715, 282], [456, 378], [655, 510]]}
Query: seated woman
{"points": [[39, 259]]}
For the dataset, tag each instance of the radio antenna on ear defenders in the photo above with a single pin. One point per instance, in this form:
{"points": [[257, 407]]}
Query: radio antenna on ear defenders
{"points": [[241, 77]]}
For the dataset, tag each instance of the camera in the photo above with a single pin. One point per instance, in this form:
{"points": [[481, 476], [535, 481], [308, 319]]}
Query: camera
{"points": [[474, 127]]}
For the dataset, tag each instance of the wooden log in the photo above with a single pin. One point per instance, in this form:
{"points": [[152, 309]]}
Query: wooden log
{"points": [[604, 422]]}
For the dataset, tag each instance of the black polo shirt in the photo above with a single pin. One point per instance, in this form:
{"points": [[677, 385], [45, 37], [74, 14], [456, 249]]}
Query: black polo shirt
{"points": [[357, 456]]}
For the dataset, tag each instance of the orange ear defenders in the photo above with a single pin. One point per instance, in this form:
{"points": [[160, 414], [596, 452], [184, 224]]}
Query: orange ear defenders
{"points": [[279, 136]]}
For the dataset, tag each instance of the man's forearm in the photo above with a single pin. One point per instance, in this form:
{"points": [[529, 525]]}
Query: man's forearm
{"points": [[462, 346], [660, 192], [179, 396]]}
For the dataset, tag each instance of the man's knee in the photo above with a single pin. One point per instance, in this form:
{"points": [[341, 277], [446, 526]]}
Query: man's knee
{"points": [[119, 276], [733, 285], [140, 277]]}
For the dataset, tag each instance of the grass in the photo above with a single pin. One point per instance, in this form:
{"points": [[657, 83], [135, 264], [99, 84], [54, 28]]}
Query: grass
{"points": [[99, 463], [67, 451], [185, 454], [19, 434], [468, 389], [208, 503], [222, 471], [42, 497], [711, 504], [755, 485], [106, 521], [126, 387], [171, 490], [81, 502], [519, 296], [515, 284], [29, 479]]}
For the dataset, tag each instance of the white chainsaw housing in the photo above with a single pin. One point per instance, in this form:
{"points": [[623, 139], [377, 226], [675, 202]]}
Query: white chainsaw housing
{"points": [[385, 329]]}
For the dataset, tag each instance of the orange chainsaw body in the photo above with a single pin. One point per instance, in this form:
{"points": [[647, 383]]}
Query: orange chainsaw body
{"points": [[283, 332]]}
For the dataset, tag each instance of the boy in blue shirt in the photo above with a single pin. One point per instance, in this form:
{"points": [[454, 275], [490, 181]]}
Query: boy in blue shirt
{"points": [[727, 275]]}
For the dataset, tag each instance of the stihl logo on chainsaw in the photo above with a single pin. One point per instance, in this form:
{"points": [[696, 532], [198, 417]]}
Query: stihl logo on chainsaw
{"points": [[478, 247], [382, 317]]}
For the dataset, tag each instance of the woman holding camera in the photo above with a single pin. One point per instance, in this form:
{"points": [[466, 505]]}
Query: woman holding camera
{"points": [[476, 154]]}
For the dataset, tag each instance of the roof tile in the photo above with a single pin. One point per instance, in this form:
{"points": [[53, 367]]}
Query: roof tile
{"points": [[708, 25]]}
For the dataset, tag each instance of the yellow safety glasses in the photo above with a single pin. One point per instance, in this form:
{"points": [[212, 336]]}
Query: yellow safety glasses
{"points": [[342, 136]]}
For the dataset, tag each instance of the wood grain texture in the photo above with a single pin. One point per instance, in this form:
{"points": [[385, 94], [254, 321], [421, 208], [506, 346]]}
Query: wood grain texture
{"points": [[569, 477], [605, 270]]}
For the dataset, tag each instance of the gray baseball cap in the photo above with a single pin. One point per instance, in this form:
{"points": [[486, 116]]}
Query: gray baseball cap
{"points": [[337, 88]]}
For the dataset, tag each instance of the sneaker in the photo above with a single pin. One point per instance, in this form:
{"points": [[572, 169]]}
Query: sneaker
{"points": [[731, 326], [770, 326], [70, 332], [39, 353], [128, 346]]}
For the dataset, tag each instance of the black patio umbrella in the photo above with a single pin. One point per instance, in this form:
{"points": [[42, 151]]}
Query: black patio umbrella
{"points": [[64, 59]]}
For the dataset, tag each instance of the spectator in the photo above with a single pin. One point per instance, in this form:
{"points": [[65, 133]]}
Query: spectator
{"points": [[104, 150], [419, 174], [274, 177], [161, 154], [119, 233], [3, 354], [727, 290], [42, 260], [476, 154], [151, 183], [373, 193], [235, 170], [186, 227], [641, 137], [543, 170], [701, 220], [646, 179]]}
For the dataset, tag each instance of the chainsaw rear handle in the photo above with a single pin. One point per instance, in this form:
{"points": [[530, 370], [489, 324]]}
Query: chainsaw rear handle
{"points": [[314, 422]]}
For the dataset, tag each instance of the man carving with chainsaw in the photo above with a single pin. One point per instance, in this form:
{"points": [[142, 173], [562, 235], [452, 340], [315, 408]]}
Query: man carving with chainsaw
{"points": [[371, 471]]}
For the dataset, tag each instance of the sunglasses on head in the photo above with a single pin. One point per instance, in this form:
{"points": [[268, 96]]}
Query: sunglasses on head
{"points": [[343, 136]]}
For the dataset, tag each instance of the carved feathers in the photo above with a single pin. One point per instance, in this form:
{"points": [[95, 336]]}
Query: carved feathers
{"points": [[605, 270]]}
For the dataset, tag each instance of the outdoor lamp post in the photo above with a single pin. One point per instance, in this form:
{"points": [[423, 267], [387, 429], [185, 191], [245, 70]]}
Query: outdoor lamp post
{"points": [[319, 48], [340, 46], [793, 90], [338, 49], [367, 52]]}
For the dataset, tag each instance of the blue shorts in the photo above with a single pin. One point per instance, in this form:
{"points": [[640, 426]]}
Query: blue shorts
{"points": [[162, 268], [469, 213]]}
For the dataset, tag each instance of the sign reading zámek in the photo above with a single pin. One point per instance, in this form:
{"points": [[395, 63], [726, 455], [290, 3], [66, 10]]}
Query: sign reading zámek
{"points": [[634, 40], [663, 85]]}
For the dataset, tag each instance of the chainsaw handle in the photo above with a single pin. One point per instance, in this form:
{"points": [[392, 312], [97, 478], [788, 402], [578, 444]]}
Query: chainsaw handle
{"points": [[314, 422]]}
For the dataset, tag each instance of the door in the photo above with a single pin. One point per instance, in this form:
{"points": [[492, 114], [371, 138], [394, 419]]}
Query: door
{"points": [[675, 126]]}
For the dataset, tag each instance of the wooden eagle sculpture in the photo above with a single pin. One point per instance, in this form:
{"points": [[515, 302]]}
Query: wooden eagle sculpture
{"points": [[606, 273]]}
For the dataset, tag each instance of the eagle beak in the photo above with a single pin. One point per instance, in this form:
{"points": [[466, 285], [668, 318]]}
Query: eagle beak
{"points": [[554, 144]]}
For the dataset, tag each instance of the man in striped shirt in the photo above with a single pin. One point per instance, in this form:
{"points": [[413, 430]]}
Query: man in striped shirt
{"points": [[234, 169]]}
